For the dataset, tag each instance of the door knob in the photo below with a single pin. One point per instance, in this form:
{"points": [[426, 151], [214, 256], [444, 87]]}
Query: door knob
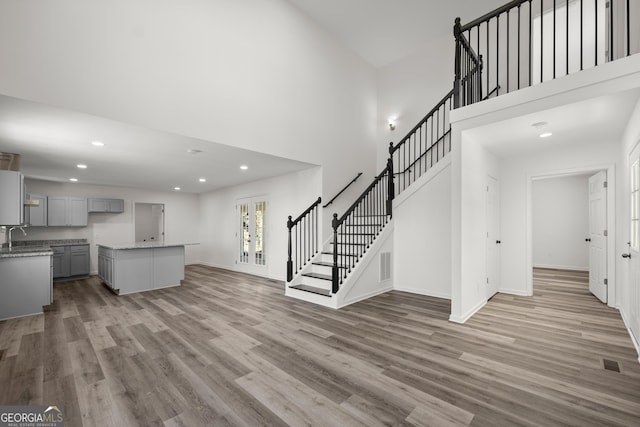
{"points": [[626, 255]]}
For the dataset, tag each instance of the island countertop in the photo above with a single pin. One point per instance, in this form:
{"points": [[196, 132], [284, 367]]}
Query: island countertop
{"points": [[143, 245]]}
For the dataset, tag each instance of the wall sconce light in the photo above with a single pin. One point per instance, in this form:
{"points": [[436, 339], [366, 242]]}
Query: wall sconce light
{"points": [[542, 129], [392, 124]]}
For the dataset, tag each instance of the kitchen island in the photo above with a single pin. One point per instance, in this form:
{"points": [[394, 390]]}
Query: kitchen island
{"points": [[26, 281], [137, 267]]}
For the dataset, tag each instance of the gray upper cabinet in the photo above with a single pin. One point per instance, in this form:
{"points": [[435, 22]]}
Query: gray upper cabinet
{"points": [[66, 211], [106, 205], [11, 198], [36, 216]]}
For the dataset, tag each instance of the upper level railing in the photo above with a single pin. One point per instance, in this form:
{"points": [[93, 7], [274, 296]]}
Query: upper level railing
{"points": [[468, 68], [526, 42]]}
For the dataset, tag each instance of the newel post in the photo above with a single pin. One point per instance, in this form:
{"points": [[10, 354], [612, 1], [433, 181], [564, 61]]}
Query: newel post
{"points": [[335, 274], [458, 71], [289, 260]]}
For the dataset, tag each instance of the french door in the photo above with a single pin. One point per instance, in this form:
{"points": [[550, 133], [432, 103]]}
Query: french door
{"points": [[252, 235]]}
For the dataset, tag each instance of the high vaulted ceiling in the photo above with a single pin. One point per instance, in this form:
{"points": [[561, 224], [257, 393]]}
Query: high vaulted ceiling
{"points": [[53, 141], [383, 31]]}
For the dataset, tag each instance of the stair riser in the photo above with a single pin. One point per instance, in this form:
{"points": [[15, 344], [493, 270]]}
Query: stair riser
{"points": [[329, 258], [364, 228], [355, 238], [365, 220], [318, 283], [355, 250], [318, 269]]}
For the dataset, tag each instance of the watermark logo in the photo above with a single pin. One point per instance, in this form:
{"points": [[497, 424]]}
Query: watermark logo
{"points": [[31, 416]]}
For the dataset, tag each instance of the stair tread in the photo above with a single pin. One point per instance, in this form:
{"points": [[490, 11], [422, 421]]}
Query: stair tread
{"points": [[357, 234], [327, 264], [339, 254], [318, 276], [313, 289]]}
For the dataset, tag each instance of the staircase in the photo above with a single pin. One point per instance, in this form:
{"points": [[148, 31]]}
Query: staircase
{"points": [[321, 272]]}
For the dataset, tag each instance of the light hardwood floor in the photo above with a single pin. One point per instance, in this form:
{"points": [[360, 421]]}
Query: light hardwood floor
{"points": [[230, 349]]}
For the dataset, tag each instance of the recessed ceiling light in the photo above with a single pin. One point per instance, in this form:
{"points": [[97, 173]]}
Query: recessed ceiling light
{"points": [[98, 143], [82, 166], [73, 179], [244, 167], [176, 188], [545, 135], [203, 180]]}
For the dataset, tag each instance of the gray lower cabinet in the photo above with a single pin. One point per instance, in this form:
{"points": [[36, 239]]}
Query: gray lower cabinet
{"points": [[60, 261], [66, 211], [25, 285], [70, 261]]}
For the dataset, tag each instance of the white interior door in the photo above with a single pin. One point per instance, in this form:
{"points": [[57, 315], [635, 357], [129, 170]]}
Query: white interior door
{"points": [[634, 243], [598, 235], [493, 237], [252, 233]]}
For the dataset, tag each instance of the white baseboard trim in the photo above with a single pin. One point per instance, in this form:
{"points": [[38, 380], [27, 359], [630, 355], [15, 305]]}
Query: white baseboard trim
{"points": [[633, 339], [417, 292], [235, 270], [518, 292], [466, 316], [363, 297], [560, 267]]}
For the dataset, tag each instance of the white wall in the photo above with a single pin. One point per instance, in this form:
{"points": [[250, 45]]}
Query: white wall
{"points": [[625, 295], [560, 222], [181, 217], [409, 88], [256, 74], [422, 236], [472, 165], [287, 195]]}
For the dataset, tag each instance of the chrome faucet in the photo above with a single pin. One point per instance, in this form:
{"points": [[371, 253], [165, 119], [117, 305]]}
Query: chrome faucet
{"points": [[9, 234]]}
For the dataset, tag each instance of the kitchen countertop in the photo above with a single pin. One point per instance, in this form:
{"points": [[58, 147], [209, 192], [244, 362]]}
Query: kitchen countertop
{"points": [[59, 242], [25, 251], [143, 245]]}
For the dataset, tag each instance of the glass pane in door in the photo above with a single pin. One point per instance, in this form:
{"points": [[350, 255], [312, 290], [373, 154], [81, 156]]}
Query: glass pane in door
{"points": [[260, 247], [245, 236]]}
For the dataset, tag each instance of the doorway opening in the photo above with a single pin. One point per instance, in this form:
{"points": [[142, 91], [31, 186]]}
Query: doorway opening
{"points": [[149, 222], [571, 217]]}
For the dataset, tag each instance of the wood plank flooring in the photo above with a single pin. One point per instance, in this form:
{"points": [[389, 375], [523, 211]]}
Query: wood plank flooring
{"points": [[230, 349]]}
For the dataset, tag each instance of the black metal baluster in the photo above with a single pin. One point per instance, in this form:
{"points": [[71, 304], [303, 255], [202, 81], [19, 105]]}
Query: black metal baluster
{"points": [[530, 43], [567, 53], [581, 45], [488, 56], [508, 37], [628, 29], [595, 36], [519, 46], [498, 51], [554, 39], [541, 40]]}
